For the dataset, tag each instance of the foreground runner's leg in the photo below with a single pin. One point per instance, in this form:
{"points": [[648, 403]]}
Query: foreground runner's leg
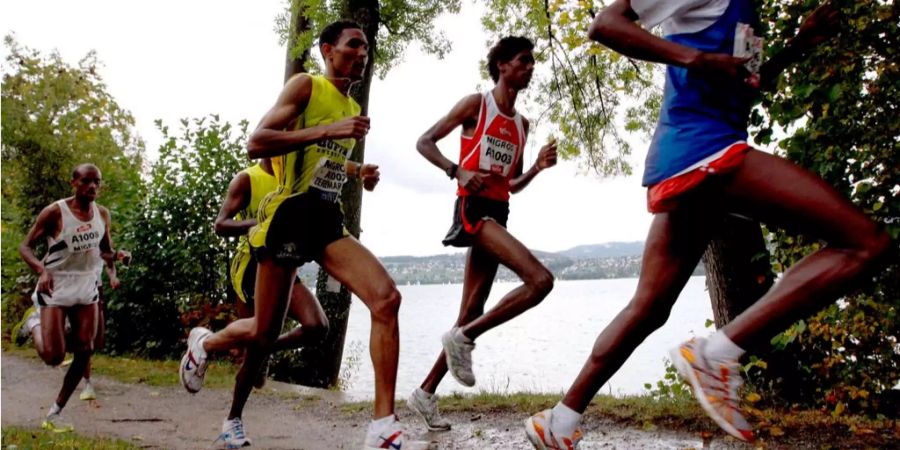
{"points": [[537, 283], [480, 271], [358, 269], [84, 323], [675, 242], [780, 193]]}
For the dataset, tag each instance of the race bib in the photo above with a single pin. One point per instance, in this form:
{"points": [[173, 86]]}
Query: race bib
{"points": [[329, 176], [497, 155], [746, 44]]}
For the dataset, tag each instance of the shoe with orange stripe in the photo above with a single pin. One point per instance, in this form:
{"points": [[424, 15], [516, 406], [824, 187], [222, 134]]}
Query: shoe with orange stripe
{"points": [[715, 385], [540, 434]]}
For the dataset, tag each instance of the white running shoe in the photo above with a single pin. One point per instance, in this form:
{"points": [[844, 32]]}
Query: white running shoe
{"points": [[425, 405], [88, 392], [233, 434], [194, 363], [55, 423], [391, 437], [459, 356], [542, 437], [715, 385]]}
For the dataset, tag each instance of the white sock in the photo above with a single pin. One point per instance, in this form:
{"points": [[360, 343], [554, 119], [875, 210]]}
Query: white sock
{"points": [[201, 352], [376, 425], [564, 420], [459, 336], [720, 348], [87, 383], [55, 409], [425, 393]]}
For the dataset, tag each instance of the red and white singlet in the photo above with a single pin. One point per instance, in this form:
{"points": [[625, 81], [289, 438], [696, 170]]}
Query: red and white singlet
{"points": [[495, 147]]}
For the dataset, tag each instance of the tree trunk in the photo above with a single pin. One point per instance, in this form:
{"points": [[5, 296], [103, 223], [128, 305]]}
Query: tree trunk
{"points": [[737, 265], [321, 363], [294, 64]]}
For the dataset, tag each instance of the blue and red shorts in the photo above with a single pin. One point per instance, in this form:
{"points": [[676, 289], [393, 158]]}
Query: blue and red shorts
{"points": [[665, 195]]}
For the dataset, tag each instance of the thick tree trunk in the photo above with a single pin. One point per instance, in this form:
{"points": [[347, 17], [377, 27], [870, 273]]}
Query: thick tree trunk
{"points": [[321, 364], [737, 265]]}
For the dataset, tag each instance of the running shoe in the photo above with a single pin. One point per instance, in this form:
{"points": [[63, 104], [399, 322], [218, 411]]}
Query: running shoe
{"points": [[459, 356], [21, 331], [542, 437], [425, 405], [715, 385], [391, 437], [88, 392], [194, 363], [55, 423], [233, 434]]}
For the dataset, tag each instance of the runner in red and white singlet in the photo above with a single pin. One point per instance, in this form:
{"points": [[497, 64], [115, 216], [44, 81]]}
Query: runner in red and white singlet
{"points": [[490, 168]]}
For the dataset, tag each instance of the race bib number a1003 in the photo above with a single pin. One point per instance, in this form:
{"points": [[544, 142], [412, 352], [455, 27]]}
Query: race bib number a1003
{"points": [[497, 155]]}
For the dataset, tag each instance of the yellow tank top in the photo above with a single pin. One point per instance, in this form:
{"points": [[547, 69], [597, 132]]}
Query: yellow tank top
{"points": [[261, 184], [319, 167]]}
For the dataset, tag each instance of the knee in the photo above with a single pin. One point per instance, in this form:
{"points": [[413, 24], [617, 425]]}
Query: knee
{"points": [[316, 330], [52, 358], [649, 314], [875, 247], [541, 284], [386, 305]]}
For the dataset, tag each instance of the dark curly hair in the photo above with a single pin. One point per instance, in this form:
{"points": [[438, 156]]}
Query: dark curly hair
{"points": [[505, 50]]}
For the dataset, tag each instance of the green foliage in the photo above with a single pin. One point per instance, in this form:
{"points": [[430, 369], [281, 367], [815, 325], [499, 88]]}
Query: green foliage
{"points": [[29, 438], [587, 92], [54, 117], [400, 23], [840, 106], [179, 270], [671, 388]]}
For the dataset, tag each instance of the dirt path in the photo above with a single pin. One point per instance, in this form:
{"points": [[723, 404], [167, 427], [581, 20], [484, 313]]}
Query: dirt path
{"points": [[282, 418]]}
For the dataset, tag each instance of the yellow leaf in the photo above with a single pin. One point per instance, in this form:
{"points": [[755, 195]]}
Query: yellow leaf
{"points": [[753, 397], [775, 431]]}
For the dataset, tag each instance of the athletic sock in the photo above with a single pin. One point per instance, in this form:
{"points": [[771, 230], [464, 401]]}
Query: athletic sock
{"points": [[55, 409], [460, 337], [376, 427], [564, 420], [720, 348]]}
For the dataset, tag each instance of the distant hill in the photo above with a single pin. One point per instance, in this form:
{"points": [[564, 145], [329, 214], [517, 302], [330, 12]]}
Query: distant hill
{"points": [[584, 262], [607, 250]]}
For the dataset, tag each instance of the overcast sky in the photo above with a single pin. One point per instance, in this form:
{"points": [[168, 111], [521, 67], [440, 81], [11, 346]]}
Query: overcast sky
{"points": [[168, 60]]}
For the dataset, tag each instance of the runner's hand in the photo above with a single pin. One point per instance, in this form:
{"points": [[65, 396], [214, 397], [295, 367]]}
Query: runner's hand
{"points": [[352, 127], [124, 257], [717, 65], [114, 282], [472, 181], [45, 283], [547, 156], [369, 175]]}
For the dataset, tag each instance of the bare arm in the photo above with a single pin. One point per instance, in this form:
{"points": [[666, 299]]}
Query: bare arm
{"points": [[546, 159], [46, 225], [273, 137], [237, 198], [106, 250], [466, 110], [820, 25], [615, 28]]}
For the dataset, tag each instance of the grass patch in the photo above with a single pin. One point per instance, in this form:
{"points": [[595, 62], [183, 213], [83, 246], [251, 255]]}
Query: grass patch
{"points": [[142, 371], [32, 438]]}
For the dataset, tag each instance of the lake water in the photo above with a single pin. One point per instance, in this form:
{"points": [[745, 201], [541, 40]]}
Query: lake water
{"points": [[540, 351]]}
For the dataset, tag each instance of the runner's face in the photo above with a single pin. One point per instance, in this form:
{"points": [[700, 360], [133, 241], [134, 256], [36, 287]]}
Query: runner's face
{"points": [[87, 183], [518, 70], [349, 55]]}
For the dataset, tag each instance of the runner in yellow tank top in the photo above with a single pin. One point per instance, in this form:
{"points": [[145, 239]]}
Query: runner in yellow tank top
{"points": [[309, 135]]}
